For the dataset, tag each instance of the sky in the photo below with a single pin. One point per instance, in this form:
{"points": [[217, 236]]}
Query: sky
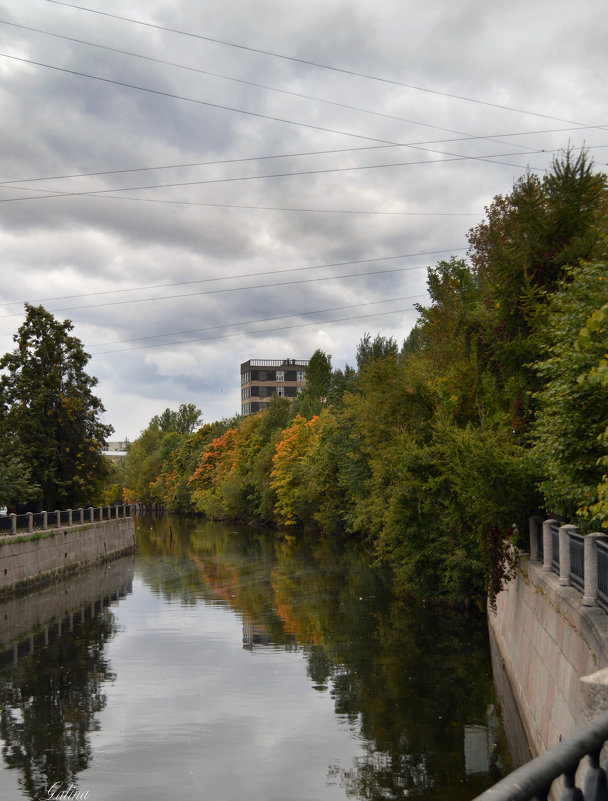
{"points": [[196, 184]]}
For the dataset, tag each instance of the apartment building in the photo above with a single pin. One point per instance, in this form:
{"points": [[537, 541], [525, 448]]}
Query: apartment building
{"points": [[263, 378]]}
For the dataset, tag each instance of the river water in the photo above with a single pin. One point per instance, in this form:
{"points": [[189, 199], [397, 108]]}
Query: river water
{"points": [[224, 664]]}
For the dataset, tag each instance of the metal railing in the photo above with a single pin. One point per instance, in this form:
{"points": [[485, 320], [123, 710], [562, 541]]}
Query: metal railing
{"points": [[533, 781], [579, 561], [576, 575], [602, 575], [555, 544], [41, 521]]}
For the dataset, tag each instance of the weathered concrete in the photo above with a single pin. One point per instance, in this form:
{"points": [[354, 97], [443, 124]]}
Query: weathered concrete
{"points": [[550, 644], [37, 558], [32, 620]]}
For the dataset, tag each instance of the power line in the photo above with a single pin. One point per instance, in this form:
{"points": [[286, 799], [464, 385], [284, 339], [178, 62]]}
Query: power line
{"points": [[233, 289], [256, 114], [298, 173], [207, 103], [229, 278], [306, 62], [248, 322], [300, 95], [242, 159], [263, 331]]}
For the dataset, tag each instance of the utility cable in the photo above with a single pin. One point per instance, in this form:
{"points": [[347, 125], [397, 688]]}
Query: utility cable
{"points": [[251, 322], [262, 331], [233, 289], [233, 278], [308, 63], [246, 83]]}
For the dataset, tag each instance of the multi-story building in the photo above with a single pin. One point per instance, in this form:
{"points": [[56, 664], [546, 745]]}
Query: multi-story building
{"points": [[263, 378]]}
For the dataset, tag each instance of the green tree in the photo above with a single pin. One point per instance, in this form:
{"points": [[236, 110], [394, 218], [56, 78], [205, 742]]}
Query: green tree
{"points": [[183, 421], [569, 431], [49, 416]]}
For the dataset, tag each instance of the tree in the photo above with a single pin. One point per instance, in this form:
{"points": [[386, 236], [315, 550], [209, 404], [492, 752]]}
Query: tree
{"points": [[183, 421], [49, 416]]}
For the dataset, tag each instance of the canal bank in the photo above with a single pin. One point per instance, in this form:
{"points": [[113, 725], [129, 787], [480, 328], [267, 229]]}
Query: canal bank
{"points": [[551, 640], [36, 556]]}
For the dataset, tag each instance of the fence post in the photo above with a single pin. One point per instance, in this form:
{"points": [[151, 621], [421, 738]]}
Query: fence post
{"points": [[548, 544], [45, 521], [13, 523], [91, 514], [533, 536], [30, 522], [590, 594], [58, 520], [69, 517], [564, 553], [81, 515]]}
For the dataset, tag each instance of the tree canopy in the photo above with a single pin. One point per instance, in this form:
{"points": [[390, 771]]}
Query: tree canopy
{"points": [[49, 416]]}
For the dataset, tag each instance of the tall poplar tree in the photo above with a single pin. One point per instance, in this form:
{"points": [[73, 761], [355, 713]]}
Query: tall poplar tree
{"points": [[49, 416]]}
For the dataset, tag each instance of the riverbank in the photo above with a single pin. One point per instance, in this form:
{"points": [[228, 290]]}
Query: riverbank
{"points": [[35, 558]]}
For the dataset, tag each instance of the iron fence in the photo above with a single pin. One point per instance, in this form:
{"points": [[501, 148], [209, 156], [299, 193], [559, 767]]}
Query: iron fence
{"points": [[576, 577], [36, 521], [602, 574], [533, 781], [555, 547]]}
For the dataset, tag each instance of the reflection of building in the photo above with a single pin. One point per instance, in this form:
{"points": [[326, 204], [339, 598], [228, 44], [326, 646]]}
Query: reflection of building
{"points": [[256, 637], [480, 744], [263, 378]]}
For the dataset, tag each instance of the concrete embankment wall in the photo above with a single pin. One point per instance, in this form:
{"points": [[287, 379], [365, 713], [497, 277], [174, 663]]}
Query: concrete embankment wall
{"points": [[549, 644], [38, 557]]}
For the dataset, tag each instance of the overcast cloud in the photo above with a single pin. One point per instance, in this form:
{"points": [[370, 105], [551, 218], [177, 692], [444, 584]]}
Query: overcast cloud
{"points": [[135, 157]]}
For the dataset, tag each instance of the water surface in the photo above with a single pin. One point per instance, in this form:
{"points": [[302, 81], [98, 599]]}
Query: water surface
{"points": [[232, 663]]}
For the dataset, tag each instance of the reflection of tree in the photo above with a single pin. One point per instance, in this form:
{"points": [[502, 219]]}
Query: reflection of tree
{"points": [[406, 678], [48, 706]]}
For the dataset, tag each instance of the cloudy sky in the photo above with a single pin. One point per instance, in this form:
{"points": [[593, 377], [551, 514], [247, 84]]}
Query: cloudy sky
{"points": [[198, 183]]}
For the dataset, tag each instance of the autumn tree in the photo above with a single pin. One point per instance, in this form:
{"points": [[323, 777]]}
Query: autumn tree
{"points": [[49, 416]]}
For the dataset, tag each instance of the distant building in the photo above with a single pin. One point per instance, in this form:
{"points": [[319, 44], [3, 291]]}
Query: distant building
{"points": [[116, 451], [263, 378]]}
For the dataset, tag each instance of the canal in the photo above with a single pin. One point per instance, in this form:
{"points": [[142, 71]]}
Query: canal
{"points": [[225, 663]]}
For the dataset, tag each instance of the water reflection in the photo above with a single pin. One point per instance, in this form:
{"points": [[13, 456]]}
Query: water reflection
{"points": [[415, 683], [245, 663], [53, 670]]}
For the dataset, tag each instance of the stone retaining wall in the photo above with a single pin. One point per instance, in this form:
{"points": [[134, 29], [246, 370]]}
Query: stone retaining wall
{"points": [[39, 557], [548, 642]]}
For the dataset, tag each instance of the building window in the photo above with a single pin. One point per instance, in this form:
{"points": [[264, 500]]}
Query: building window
{"points": [[301, 375], [281, 392], [280, 375], [245, 377], [246, 408], [245, 393]]}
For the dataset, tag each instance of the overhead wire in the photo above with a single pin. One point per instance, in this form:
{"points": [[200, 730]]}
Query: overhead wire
{"points": [[262, 331], [51, 194], [250, 322], [237, 277], [266, 87], [236, 289], [311, 63]]}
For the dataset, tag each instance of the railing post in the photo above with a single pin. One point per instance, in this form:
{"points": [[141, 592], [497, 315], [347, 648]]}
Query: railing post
{"points": [[590, 594], [564, 553], [81, 515], [91, 514], [13, 523], [533, 536], [69, 517], [45, 521], [30, 522], [548, 544]]}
